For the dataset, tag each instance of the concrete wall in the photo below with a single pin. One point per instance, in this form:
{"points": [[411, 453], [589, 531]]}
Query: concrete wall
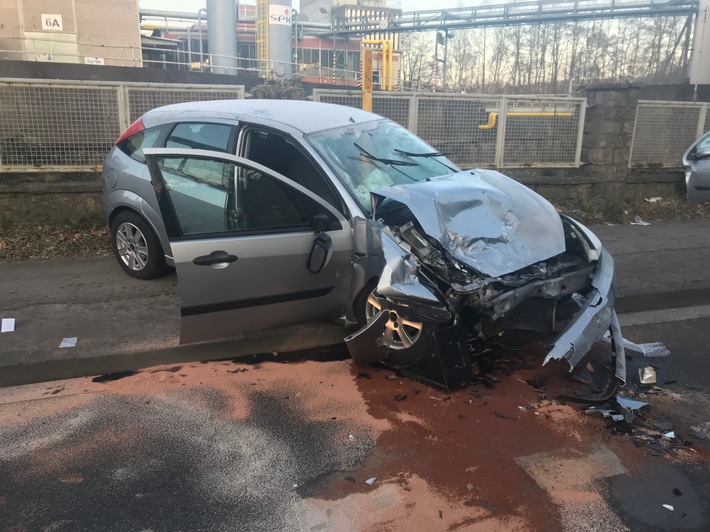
{"points": [[608, 131]]}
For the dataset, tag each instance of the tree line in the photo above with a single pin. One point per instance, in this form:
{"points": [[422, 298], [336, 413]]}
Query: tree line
{"points": [[547, 58]]}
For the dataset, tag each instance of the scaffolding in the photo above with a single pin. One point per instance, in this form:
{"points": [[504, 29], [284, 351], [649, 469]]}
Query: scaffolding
{"points": [[262, 35]]}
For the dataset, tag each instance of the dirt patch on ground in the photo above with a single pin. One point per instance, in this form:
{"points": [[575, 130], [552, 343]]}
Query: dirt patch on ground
{"points": [[600, 210], [89, 238]]}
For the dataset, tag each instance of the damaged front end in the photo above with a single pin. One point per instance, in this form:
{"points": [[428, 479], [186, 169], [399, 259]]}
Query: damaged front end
{"points": [[470, 256]]}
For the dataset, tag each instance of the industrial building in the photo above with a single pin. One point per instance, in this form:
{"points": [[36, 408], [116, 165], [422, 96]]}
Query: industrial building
{"points": [[265, 39], [93, 32]]}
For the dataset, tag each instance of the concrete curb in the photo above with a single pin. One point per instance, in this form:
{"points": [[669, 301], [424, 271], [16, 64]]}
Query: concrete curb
{"points": [[662, 298], [295, 338]]}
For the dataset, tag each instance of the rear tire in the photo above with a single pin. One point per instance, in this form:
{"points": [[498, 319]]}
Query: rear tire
{"points": [[136, 247]]}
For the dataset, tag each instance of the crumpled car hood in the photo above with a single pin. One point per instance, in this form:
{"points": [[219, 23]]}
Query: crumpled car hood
{"points": [[483, 218]]}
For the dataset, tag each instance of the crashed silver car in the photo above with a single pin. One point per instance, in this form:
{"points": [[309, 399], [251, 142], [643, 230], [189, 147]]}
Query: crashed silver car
{"points": [[314, 211]]}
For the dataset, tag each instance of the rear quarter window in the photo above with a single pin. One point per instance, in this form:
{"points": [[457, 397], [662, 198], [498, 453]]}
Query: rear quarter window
{"points": [[200, 136], [134, 145]]}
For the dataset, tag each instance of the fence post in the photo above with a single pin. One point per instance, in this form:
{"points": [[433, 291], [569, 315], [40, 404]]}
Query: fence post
{"points": [[413, 113], [500, 134], [580, 133], [633, 136], [124, 113], [701, 121]]}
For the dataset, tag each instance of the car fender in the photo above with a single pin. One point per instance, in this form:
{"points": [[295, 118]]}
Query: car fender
{"points": [[125, 199]]}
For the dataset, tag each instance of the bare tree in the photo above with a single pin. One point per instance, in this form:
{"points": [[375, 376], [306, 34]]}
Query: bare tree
{"points": [[417, 51]]}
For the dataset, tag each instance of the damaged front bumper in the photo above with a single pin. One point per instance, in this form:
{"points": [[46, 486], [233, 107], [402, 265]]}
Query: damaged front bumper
{"points": [[399, 284], [595, 317]]}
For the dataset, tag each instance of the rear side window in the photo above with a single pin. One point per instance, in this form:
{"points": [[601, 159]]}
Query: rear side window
{"points": [[214, 137], [134, 145]]}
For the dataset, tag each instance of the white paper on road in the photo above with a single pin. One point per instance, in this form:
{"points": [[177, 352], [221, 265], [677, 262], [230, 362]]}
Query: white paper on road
{"points": [[8, 325], [68, 342]]}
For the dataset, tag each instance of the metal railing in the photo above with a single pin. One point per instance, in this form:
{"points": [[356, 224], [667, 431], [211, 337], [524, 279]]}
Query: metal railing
{"points": [[664, 130], [485, 130], [165, 57], [70, 126]]}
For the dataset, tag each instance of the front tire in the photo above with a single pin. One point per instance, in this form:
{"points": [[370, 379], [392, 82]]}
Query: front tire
{"points": [[136, 247], [406, 340]]}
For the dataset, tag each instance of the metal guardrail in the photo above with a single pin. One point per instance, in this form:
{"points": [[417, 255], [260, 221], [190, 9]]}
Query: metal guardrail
{"points": [[485, 130], [70, 126], [664, 130]]}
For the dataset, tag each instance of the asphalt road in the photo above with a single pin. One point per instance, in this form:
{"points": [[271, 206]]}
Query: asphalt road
{"points": [[289, 445]]}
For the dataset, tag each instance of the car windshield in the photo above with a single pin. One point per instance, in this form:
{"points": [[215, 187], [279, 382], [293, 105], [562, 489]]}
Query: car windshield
{"points": [[375, 155]]}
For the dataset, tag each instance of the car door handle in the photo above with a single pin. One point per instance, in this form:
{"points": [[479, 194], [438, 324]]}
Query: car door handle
{"points": [[216, 257]]}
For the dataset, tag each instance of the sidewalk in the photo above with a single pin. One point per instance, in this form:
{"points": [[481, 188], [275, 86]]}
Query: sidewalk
{"points": [[123, 324]]}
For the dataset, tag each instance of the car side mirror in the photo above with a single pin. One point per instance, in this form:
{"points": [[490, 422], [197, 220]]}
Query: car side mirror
{"points": [[320, 253]]}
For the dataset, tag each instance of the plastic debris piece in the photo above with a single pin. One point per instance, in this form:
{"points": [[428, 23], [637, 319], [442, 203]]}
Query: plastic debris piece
{"points": [[351, 437], [699, 434], [654, 199], [370, 481], [668, 507], [647, 375], [639, 221], [8, 325], [662, 425], [631, 404], [68, 342], [650, 349], [613, 414], [669, 435]]}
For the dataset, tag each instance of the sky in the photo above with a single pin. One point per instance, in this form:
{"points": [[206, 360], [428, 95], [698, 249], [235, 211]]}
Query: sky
{"points": [[192, 6]]}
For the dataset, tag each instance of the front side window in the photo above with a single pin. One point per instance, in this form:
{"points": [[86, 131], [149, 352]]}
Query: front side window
{"points": [[371, 156], [212, 196], [281, 155]]}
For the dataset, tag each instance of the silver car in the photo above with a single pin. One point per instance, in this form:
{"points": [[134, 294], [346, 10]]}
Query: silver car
{"points": [[696, 162], [281, 212]]}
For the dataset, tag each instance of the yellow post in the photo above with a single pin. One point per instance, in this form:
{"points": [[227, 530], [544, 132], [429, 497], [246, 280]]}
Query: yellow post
{"points": [[386, 53], [390, 68], [366, 75]]}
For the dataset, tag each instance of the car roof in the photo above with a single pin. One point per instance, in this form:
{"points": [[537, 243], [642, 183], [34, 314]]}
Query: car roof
{"points": [[305, 116]]}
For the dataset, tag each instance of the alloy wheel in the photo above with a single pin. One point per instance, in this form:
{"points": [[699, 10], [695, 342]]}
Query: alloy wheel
{"points": [[132, 246], [399, 333]]}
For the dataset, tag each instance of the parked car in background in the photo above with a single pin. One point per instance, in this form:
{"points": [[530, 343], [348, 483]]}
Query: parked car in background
{"points": [[696, 163], [280, 212]]}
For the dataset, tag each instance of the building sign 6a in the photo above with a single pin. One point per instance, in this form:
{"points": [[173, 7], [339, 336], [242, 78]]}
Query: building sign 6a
{"points": [[51, 22]]}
